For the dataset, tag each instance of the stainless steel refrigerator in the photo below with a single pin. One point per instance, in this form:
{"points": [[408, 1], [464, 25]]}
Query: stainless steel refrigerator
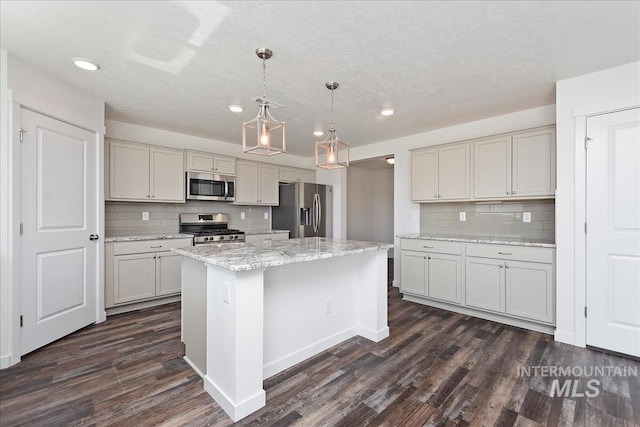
{"points": [[305, 210]]}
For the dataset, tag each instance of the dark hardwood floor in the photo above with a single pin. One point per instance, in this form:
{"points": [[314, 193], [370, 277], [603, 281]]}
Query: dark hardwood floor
{"points": [[436, 368]]}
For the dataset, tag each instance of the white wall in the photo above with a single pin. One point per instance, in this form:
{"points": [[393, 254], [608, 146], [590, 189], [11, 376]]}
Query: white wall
{"points": [[577, 98], [36, 89], [406, 214]]}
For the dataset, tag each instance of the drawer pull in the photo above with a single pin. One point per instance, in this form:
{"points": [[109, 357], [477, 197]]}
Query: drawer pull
{"points": [[154, 247], [428, 247], [501, 266], [505, 253], [506, 266]]}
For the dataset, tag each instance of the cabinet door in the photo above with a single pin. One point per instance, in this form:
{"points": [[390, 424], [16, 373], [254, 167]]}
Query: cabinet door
{"points": [[268, 190], [288, 174], [485, 283], [247, 183], [168, 273], [445, 277], [414, 273], [424, 175], [530, 290], [134, 277], [224, 165], [534, 163], [200, 162], [167, 175], [492, 168], [128, 171], [454, 163], [307, 176]]}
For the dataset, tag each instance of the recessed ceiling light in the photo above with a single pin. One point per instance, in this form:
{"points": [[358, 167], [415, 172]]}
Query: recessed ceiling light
{"points": [[236, 108], [85, 64], [387, 111], [318, 132], [391, 160]]}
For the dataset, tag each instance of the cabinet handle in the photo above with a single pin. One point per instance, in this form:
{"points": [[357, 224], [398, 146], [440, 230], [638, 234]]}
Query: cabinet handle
{"points": [[153, 196], [435, 196], [506, 266], [439, 196], [501, 266], [505, 253], [148, 195], [428, 257], [428, 247], [153, 247], [513, 192], [508, 192]]}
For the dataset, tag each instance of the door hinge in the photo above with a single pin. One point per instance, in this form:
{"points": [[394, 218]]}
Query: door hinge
{"points": [[21, 321], [21, 229], [22, 132], [585, 311], [586, 141]]}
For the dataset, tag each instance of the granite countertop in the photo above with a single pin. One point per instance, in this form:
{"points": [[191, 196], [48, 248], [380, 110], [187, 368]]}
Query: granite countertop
{"points": [[141, 237], [250, 233], [514, 241], [247, 256]]}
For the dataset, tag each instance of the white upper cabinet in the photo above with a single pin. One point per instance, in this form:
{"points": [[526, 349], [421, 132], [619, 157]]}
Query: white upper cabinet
{"points": [[516, 165], [441, 173], [199, 161], [140, 172], [288, 174], [256, 184]]}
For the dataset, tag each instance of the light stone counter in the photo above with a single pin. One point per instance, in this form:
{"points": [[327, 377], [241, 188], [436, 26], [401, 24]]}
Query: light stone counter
{"points": [[514, 241], [142, 237], [246, 256], [270, 231]]}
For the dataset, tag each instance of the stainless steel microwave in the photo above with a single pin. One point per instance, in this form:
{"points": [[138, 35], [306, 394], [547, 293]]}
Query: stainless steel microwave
{"points": [[207, 186]]}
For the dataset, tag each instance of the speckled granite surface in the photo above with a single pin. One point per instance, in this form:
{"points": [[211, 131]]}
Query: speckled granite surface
{"points": [[514, 241], [147, 237], [249, 233], [247, 256]]}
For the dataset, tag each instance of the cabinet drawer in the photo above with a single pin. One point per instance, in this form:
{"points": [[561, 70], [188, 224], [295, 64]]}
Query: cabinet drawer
{"points": [[507, 252], [435, 246], [121, 248]]}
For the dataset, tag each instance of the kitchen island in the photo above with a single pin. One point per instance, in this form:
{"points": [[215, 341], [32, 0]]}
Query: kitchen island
{"points": [[250, 311]]}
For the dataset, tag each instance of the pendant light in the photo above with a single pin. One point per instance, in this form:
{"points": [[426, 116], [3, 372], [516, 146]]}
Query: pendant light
{"points": [[332, 152], [269, 133]]}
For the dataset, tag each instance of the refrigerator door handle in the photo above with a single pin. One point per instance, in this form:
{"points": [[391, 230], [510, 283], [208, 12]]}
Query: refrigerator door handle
{"points": [[319, 211], [315, 213]]}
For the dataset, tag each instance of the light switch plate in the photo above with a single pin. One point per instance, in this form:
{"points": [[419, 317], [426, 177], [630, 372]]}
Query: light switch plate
{"points": [[463, 216], [266, 215], [526, 216], [242, 215], [145, 216], [227, 293]]}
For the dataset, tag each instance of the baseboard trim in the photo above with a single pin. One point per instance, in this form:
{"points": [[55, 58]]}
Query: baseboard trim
{"points": [[236, 411], [564, 337], [5, 361], [291, 359], [141, 305], [194, 367], [375, 336]]}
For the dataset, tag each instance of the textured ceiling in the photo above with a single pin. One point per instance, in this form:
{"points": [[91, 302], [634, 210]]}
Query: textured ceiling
{"points": [[177, 65]]}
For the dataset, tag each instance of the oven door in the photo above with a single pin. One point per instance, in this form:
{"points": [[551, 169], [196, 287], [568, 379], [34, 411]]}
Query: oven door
{"points": [[204, 186]]}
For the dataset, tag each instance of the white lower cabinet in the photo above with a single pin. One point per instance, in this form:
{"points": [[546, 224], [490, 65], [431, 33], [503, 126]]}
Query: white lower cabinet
{"points": [[500, 282], [140, 271], [427, 272]]}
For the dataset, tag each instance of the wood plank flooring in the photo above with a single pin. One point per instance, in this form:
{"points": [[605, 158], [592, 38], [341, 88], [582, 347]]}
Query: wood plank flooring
{"points": [[437, 368]]}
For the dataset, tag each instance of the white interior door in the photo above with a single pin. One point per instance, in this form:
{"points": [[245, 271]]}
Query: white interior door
{"points": [[613, 231], [59, 201]]}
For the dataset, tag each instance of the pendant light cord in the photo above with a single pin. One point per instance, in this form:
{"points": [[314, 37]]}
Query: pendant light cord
{"points": [[331, 122], [264, 79]]}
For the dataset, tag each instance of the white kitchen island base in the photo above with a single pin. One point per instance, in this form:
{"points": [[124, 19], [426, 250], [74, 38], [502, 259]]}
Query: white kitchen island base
{"points": [[264, 320]]}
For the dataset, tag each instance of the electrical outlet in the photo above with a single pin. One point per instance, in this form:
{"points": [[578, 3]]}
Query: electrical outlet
{"points": [[266, 215], [526, 216], [227, 293], [328, 307], [145, 216], [242, 215], [463, 216]]}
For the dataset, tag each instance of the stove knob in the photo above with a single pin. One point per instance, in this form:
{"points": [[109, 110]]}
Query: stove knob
{"points": [[221, 237]]}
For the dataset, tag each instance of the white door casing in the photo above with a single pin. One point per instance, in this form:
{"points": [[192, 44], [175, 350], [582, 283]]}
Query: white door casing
{"points": [[613, 231], [59, 176]]}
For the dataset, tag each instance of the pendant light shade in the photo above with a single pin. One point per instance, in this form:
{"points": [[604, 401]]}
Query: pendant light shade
{"points": [[264, 135], [332, 152]]}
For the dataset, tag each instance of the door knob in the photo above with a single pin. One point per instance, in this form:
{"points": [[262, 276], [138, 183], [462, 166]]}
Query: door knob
{"points": [[93, 237]]}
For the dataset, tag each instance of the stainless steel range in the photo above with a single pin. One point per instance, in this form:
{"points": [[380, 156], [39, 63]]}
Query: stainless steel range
{"points": [[209, 228]]}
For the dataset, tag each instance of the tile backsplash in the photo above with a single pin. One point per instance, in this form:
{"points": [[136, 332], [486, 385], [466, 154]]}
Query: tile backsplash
{"points": [[125, 218], [486, 219]]}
